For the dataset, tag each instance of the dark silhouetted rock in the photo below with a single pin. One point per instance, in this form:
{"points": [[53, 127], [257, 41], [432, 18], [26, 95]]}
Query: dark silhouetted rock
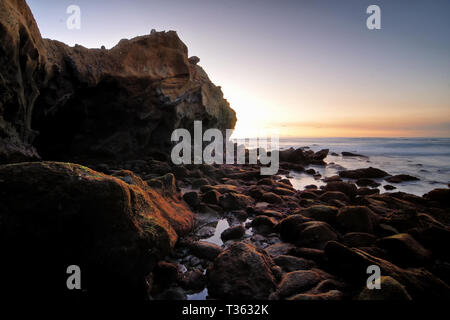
{"points": [[242, 272], [205, 250], [401, 178], [233, 233], [62, 214], [367, 173], [356, 219], [405, 250], [391, 290], [352, 265]]}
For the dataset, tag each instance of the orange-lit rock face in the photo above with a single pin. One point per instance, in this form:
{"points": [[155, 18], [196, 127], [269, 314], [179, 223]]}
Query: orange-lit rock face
{"points": [[116, 103]]}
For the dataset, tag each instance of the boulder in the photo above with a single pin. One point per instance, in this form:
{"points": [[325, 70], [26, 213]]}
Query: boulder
{"points": [[291, 263], [441, 196], [405, 250], [242, 272], [211, 197], [205, 250], [62, 214], [234, 201], [278, 249], [233, 233], [191, 199], [193, 280], [296, 282], [364, 182], [329, 295], [264, 224], [391, 290], [356, 219], [334, 195], [301, 156], [310, 234], [401, 178], [367, 173], [321, 213], [359, 239], [351, 154], [347, 188], [352, 265], [270, 197]]}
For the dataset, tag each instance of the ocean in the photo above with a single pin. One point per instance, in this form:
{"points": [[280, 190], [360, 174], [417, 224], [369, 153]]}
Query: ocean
{"points": [[425, 158]]}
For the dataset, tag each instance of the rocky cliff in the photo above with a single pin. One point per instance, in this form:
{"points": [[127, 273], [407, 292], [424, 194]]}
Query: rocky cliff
{"points": [[61, 102]]}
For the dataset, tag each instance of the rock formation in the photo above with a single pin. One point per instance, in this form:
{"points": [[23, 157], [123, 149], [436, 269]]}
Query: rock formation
{"points": [[58, 214], [59, 102]]}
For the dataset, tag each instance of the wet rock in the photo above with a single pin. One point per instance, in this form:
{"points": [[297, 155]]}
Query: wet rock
{"points": [[359, 239], [264, 224], [165, 273], [351, 154], [279, 249], [265, 181], [401, 178], [311, 234], [233, 233], [332, 178], [211, 197], [356, 219], [205, 250], [308, 195], [271, 197], [301, 156], [283, 191], [289, 227], [391, 290], [193, 280], [364, 182], [242, 272], [234, 201], [329, 295], [347, 188], [124, 224], [367, 173], [334, 195], [352, 265], [291, 263], [321, 213], [367, 191], [441, 196], [316, 255], [272, 213], [389, 187], [197, 183], [405, 250], [221, 188], [191, 199], [296, 282]]}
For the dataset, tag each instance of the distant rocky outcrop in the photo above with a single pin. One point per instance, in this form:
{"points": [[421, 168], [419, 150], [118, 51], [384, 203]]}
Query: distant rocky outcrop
{"points": [[59, 102]]}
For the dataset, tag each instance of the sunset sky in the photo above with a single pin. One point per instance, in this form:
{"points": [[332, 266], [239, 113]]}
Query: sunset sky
{"points": [[308, 68]]}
